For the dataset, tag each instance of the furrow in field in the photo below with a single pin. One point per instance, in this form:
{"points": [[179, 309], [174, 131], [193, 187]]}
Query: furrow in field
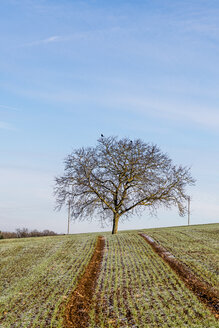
{"points": [[77, 310], [196, 246], [205, 293]]}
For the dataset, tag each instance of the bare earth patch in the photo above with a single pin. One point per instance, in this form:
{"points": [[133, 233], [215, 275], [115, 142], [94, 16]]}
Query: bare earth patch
{"points": [[78, 307], [203, 290]]}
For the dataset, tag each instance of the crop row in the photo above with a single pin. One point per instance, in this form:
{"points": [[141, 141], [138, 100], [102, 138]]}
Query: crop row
{"points": [[137, 289], [37, 277], [196, 246]]}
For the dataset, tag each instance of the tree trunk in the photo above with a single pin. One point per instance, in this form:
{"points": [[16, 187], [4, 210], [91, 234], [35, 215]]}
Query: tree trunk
{"points": [[115, 223]]}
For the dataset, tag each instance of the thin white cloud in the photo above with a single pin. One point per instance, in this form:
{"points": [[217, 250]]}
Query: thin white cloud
{"points": [[197, 114], [6, 126], [9, 108], [201, 21], [51, 39], [98, 34], [58, 38], [207, 117]]}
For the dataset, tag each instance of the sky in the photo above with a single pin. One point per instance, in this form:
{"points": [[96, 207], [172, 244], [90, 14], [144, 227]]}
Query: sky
{"points": [[71, 70]]}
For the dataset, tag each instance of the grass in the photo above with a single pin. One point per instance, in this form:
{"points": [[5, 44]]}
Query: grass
{"points": [[37, 276], [137, 289], [196, 246]]}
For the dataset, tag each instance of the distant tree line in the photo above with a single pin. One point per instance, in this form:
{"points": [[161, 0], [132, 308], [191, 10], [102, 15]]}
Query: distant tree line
{"points": [[24, 233]]}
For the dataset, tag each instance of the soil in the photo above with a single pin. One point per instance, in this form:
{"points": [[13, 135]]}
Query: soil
{"points": [[206, 293], [78, 307]]}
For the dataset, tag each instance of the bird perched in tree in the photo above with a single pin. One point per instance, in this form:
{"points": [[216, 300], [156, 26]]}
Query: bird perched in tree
{"points": [[102, 135]]}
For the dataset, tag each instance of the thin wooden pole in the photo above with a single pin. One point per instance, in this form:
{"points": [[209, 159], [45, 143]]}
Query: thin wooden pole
{"points": [[69, 216], [189, 199]]}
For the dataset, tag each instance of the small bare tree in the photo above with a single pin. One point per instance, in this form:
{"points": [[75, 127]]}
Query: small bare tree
{"points": [[118, 178]]}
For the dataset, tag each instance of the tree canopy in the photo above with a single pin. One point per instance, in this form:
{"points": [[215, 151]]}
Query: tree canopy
{"points": [[118, 178]]}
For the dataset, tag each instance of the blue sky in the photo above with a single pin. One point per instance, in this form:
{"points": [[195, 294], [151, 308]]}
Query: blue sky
{"points": [[71, 70]]}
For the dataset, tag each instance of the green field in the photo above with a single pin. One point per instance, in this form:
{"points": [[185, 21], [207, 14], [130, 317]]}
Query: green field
{"points": [[36, 277], [135, 287]]}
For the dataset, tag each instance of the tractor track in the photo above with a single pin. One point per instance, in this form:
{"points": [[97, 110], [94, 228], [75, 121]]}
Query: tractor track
{"points": [[79, 304], [206, 293]]}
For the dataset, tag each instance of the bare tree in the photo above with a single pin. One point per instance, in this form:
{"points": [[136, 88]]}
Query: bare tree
{"points": [[22, 233], [118, 178]]}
